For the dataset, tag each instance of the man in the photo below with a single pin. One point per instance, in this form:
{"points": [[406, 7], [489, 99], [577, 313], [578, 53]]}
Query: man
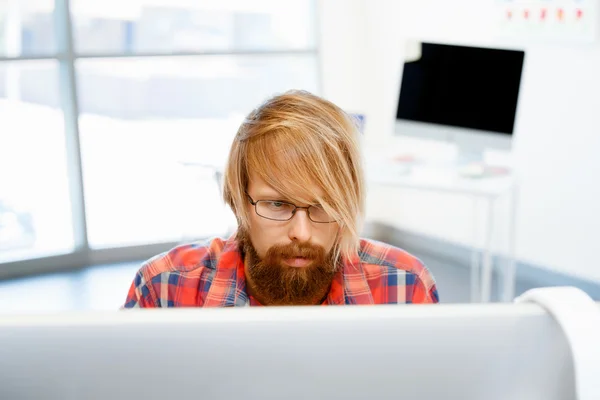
{"points": [[295, 183]]}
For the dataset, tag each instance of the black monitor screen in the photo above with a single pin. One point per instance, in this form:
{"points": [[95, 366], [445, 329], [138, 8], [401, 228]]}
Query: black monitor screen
{"points": [[466, 87]]}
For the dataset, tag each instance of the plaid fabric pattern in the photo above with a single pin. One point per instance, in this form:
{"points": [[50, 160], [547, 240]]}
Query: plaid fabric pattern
{"points": [[211, 274]]}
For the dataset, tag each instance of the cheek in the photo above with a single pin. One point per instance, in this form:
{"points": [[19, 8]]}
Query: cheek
{"points": [[263, 237], [329, 235]]}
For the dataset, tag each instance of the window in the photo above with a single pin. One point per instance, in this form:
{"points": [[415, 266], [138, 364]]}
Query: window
{"points": [[35, 211], [151, 130], [27, 28], [150, 26], [115, 117]]}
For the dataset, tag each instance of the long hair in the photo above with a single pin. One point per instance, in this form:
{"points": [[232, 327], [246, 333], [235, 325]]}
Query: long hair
{"points": [[294, 142]]}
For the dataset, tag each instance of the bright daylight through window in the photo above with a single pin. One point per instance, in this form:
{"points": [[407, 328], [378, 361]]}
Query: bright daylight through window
{"points": [[158, 89]]}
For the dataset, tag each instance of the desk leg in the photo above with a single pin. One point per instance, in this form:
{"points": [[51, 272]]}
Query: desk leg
{"points": [[475, 258], [487, 275], [510, 269]]}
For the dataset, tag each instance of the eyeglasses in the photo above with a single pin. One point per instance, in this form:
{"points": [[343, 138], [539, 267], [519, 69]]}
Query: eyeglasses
{"points": [[283, 211]]}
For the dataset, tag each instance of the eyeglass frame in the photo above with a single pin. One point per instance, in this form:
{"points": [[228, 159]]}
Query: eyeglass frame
{"points": [[255, 202]]}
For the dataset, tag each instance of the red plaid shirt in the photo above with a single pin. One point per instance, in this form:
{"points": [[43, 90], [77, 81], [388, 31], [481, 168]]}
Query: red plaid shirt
{"points": [[212, 275]]}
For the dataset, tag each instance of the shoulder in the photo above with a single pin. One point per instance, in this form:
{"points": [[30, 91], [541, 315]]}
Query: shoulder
{"points": [[378, 254], [186, 258], [380, 260], [179, 276]]}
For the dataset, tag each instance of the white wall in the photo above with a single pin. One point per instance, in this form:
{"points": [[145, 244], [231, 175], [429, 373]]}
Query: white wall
{"points": [[557, 132], [342, 43]]}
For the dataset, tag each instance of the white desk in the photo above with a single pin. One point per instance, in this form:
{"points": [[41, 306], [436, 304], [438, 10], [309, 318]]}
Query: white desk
{"points": [[490, 190]]}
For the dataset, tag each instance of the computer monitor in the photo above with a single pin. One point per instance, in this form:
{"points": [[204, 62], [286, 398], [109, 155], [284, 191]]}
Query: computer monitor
{"points": [[462, 94], [467, 352]]}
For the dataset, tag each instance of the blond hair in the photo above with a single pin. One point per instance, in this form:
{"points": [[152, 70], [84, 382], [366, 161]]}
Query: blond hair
{"points": [[294, 142]]}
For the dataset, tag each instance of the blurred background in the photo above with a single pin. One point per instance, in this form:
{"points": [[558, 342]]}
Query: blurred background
{"points": [[116, 118]]}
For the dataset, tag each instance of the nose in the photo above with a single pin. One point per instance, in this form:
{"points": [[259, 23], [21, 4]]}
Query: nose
{"points": [[300, 228]]}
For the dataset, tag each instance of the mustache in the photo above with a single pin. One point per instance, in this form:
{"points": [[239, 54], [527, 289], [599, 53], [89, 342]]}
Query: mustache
{"points": [[295, 249]]}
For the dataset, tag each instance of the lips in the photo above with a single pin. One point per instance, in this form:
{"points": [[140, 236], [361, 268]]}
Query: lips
{"points": [[297, 261]]}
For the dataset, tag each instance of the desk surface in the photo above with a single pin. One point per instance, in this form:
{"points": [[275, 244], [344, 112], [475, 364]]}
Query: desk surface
{"points": [[437, 178]]}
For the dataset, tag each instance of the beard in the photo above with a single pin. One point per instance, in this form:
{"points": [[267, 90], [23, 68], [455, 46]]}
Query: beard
{"points": [[275, 283]]}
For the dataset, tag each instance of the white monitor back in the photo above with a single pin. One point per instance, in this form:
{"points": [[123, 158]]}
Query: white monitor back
{"points": [[467, 352]]}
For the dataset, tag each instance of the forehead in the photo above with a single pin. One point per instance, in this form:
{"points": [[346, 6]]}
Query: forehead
{"points": [[260, 188]]}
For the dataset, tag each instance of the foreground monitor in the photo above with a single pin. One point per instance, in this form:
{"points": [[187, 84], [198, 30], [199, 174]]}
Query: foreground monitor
{"points": [[467, 352]]}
